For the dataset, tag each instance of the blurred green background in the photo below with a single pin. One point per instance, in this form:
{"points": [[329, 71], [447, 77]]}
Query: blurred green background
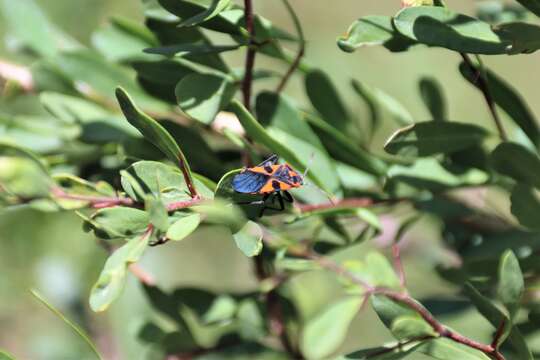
{"points": [[50, 252]]}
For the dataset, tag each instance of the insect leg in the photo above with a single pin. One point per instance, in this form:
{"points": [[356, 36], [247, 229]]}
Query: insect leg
{"points": [[288, 197], [257, 202]]}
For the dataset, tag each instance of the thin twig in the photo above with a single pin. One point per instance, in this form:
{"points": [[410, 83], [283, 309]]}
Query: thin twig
{"points": [[141, 274], [398, 265], [250, 56], [400, 297], [100, 202], [301, 48], [484, 88], [498, 334]]}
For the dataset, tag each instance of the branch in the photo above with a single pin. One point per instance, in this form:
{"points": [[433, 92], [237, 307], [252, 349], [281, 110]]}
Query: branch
{"points": [[402, 298], [250, 56], [101, 202], [301, 49], [398, 265], [144, 277], [484, 87]]}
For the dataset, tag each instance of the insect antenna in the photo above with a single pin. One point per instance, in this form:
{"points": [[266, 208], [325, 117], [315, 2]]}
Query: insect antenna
{"points": [[327, 194]]}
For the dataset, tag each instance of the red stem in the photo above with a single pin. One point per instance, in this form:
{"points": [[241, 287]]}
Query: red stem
{"points": [[398, 265], [100, 202]]}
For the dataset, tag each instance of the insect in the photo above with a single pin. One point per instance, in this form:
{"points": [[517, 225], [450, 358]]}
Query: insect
{"points": [[270, 180]]}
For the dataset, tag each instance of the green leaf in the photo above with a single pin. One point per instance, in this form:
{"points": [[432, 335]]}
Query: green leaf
{"points": [[103, 77], [369, 96], [157, 213], [532, 5], [123, 39], [213, 10], [325, 99], [526, 206], [323, 334], [286, 126], [496, 317], [518, 162], [71, 109], [491, 312], [511, 285], [523, 37], [432, 95], [36, 32], [202, 96], [249, 239], [388, 310], [440, 26], [160, 180], [374, 30], [398, 112], [218, 19], [411, 327], [446, 349], [183, 227], [221, 213], [389, 352], [153, 131], [113, 276], [23, 177], [341, 147], [5, 356], [260, 135], [429, 174], [381, 272], [77, 329], [508, 98], [191, 49], [118, 222], [434, 137]]}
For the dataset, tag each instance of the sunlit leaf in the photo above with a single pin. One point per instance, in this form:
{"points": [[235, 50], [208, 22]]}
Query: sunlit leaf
{"points": [[183, 227], [440, 26], [249, 239], [113, 276], [323, 334], [374, 30], [202, 96], [511, 284]]}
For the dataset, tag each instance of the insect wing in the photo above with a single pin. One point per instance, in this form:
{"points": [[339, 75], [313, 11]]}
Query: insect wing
{"points": [[248, 182]]}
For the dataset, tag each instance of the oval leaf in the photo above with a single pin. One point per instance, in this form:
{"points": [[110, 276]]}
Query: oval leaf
{"points": [[508, 99], [439, 26], [433, 98], [249, 239], [183, 227], [526, 206], [374, 30], [325, 333], [152, 131], [511, 284], [429, 138], [113, 276], [518, 162], [202, 96]]}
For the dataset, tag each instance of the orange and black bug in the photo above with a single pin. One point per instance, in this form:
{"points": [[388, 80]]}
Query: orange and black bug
{"points": [[269, 180]]}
